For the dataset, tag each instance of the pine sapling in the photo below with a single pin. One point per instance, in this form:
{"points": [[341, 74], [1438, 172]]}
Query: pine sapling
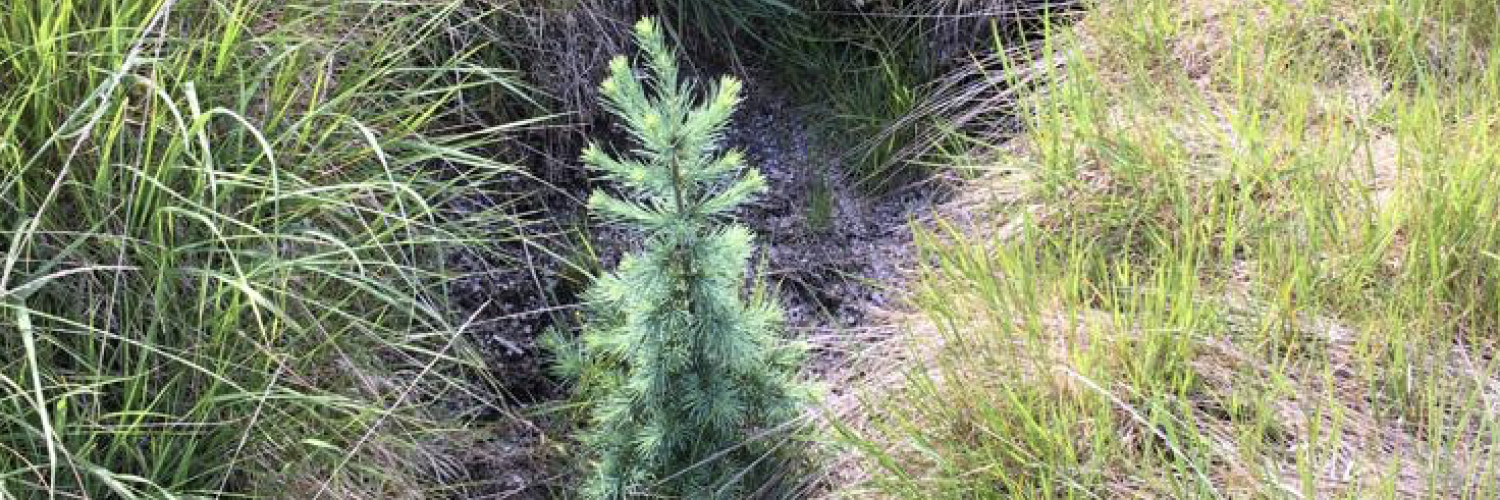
{"points": [[689, 380]]}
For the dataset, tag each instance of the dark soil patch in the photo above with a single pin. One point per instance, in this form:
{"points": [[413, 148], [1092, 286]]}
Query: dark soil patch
{"points": [[830, 265], [826, 246]]}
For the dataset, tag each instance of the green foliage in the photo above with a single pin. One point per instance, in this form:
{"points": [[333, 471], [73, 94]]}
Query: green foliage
{"points": [[909, 84], [1227, 264], [687, 378], [222, 247], [721, 19], [864, 72], [820, 205]]}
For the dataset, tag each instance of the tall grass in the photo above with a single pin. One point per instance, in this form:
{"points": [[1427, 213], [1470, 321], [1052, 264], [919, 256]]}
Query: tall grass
{"points": [[721, 19], [862, 74], [1247, 249], [224, 225], [907, 84]]}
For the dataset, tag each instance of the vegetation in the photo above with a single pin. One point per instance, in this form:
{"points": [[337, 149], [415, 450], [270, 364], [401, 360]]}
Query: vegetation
{"points": [[906, 84], [223, 246], [1245, 250], [1193, 249], [689, 383], [864, 72], [720, 19]]}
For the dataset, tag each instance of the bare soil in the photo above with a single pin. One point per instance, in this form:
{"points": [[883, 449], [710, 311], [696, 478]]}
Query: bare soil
{"points": [[827, 263]]}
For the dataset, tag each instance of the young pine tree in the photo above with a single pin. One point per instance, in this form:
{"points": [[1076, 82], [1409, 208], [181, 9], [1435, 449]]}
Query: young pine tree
{"points": [[689, 380]]}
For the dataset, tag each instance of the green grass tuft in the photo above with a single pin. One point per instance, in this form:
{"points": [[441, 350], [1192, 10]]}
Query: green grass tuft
{"points": [[223, 237]]}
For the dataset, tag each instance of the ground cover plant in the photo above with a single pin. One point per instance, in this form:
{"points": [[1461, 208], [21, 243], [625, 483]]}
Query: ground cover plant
{"points": [[1245, 250]]}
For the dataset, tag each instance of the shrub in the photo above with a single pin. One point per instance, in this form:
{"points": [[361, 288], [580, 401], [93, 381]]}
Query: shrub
{"points": [[683, 371]]}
